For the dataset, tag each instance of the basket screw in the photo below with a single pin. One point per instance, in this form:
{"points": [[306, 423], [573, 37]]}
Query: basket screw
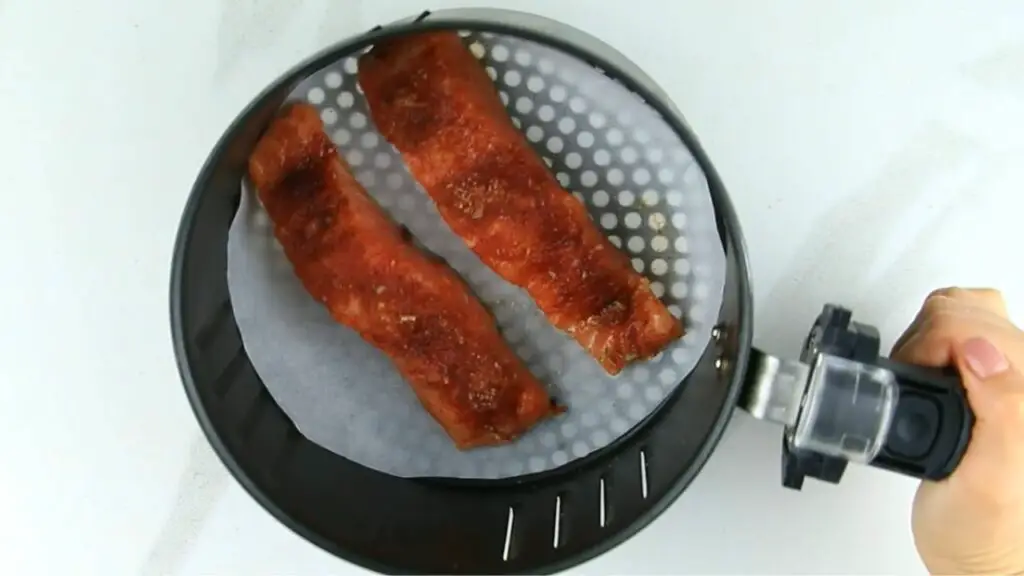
{"points": [[720, 363], [716, 333]]}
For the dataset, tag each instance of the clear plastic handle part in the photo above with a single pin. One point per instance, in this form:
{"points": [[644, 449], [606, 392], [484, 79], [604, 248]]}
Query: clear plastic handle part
{"points": [[847, 410]]}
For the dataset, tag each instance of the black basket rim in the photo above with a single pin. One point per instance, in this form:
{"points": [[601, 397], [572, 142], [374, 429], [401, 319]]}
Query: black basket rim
{"points": [[353, 45]]}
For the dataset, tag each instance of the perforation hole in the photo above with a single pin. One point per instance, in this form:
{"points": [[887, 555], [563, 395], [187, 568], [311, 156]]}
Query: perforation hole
{"points": [[658, 267], [667, 376], [555, 144], [345, 99], [499, 52], [629, 155], [354, 157], [580, 449], [559, 458], [678, 356], [315, 95], [588, 178], [341, 137], [394, 180], [369, 140], [513, 78], [535, 84], [656, 221], [332, 80], [329, 116]]}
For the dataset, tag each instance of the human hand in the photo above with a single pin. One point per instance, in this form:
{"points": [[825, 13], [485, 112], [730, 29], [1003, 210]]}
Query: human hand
{"points": [[973, 521]]}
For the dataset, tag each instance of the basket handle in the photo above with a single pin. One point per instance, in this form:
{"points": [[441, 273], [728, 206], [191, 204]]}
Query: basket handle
{"points": [[842, 402]]}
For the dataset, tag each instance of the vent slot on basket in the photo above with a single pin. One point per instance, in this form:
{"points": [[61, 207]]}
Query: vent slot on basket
{"points": [[509, 527], [603, 505], [557, 537], [643, 473]]}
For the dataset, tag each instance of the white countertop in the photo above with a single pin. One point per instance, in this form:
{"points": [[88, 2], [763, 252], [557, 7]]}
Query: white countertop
{"points": [[873, 151]]}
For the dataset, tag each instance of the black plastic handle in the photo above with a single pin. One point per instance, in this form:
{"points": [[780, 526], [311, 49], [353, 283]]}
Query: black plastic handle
{"points": [[931, 425]]}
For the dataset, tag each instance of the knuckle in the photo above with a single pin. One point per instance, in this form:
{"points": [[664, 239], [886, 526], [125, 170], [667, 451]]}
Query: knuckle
{"points": [[991, 297], [947, 292], [988, 299]]}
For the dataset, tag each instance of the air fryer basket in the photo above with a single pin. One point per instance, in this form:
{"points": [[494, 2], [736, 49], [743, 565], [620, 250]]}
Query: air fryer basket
{"points": [[537, 523], [840, 402]]}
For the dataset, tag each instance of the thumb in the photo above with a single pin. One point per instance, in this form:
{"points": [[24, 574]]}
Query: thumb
{"points": [[994, 389], [993, 466]]}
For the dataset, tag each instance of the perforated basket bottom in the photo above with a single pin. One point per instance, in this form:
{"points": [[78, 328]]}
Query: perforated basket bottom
{"points": [[614, 153]]}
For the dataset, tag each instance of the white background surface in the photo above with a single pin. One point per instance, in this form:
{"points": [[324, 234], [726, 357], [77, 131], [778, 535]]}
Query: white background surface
{"points": [[873, 151]]}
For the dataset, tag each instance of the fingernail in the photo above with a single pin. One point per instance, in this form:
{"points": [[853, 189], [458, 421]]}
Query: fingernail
{"points": [[984, 359]]}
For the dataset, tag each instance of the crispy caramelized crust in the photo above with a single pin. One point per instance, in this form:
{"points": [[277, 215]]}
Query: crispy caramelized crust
{"points": [[432, 100], [412, 306]]}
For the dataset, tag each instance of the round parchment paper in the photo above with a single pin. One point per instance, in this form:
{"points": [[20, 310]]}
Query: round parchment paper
{"points": [[608, 148]]}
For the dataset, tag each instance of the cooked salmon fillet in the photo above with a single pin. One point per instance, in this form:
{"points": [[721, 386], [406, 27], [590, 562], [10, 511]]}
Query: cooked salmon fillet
{"points": [[433, 101], [409, 304]]}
